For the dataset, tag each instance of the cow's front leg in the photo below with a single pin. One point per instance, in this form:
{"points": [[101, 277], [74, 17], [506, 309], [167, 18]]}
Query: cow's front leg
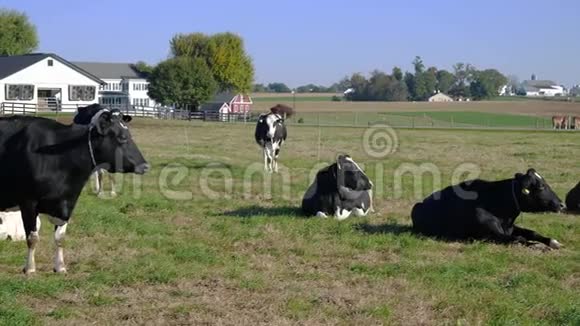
{"points": [[31, 224], [98, 183], [491, 227], [265, 152], [533, 236], [112, 182], [276, 153], [59, 233]]}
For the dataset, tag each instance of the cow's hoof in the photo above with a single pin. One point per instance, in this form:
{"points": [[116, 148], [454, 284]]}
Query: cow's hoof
{"points": [[321, 215], [61, 270], [113, 194], [28, 271], [554, 244]]}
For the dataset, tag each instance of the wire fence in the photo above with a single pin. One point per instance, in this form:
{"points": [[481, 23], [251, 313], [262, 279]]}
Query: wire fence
{"points": [[431, 120]]}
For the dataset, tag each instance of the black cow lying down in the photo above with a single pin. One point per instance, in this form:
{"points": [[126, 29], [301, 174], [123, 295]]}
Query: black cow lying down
{"points": [[44, 166], [573, 199], [339, 189], [481, 209]]}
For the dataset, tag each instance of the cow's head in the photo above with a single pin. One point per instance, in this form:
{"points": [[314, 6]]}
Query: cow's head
{"points": [[536, 195], [350, 175], [113, 147], [271, 122]]}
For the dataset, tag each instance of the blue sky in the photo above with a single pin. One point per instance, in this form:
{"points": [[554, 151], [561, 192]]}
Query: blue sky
{"points": [[299, 42]]}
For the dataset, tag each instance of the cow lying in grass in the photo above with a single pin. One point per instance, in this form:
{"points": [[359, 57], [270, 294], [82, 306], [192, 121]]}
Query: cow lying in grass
{"points": [[481, 209], [339, 190], [573, 199]]}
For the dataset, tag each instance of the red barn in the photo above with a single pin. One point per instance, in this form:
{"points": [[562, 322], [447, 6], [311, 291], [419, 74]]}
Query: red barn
{"points": [[228, 106]]}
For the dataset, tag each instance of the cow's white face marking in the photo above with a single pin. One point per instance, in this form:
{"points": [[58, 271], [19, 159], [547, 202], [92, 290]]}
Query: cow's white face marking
{"points": [[270, 120], [538, 175]]}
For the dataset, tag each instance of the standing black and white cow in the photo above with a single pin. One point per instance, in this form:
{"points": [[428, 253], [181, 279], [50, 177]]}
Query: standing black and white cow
{"points": [[44, 166], [83, 117], [271, 134], [480, 209], [339, 190]]}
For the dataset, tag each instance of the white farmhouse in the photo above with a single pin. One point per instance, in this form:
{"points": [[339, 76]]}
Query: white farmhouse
{"points": [[45, 81], [124, 86]]}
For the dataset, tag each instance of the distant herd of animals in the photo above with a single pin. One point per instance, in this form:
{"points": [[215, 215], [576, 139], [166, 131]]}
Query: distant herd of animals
{"points": [[44, 165], [566, 122]]}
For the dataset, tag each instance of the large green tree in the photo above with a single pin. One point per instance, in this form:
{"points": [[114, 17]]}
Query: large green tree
{"points": [[17, 34], [425, 83], [183, 81], [445, 81], [224, 54], [486, 84]]}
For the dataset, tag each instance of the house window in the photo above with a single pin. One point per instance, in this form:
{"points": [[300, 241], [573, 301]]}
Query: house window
{"points": [[81, 93], [19, 92], [50, 62]]}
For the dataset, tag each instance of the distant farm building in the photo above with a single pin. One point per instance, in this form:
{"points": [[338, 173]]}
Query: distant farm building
{"points": [[440, 97], [534, 87], [227, 107]]}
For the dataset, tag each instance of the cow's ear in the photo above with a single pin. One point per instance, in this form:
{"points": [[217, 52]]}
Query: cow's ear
{"points": [[127, 118]]}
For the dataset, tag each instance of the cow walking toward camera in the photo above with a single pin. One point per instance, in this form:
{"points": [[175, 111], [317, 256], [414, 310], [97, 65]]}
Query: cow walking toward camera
{"points": [[339, 190], [44, 166], [480, 209], [271, 134]]}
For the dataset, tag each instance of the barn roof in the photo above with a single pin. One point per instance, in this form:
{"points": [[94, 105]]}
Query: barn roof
{"points": [[10, 65], [109, 70], [539, 84], [211, 107]]}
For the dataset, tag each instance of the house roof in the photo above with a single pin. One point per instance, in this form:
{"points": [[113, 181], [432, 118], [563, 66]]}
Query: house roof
{"points": [[10, 65], [111, 70]]}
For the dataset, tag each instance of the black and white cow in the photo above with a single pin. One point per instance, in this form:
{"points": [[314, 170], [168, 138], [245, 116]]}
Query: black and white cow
{"points": [[44, 166], [83, 116], [339, 190], [480, 209], [271, 134]]}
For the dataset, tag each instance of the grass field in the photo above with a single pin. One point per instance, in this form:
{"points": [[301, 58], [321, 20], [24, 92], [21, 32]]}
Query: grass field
{"points": [[434, 119], [192, 249]]}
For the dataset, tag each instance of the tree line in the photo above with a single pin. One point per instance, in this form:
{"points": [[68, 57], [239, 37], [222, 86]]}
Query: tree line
{"points": [[464, 81]]}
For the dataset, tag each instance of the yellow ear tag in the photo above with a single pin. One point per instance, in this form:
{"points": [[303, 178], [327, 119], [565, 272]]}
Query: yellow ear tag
{"points": [[526, 191]]}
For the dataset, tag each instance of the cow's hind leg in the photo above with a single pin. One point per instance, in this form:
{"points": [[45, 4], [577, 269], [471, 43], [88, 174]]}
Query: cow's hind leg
{"points": [[31, 224], [59, 233]]}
